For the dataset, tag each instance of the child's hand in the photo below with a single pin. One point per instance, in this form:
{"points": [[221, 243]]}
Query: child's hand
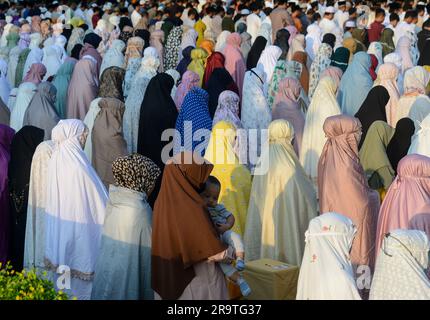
{"points": [[221, 228]]}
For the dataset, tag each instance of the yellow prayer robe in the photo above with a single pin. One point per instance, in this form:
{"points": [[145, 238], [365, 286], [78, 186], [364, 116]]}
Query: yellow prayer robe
{"points": [[235, 178], [198, 63], [200, 27]]}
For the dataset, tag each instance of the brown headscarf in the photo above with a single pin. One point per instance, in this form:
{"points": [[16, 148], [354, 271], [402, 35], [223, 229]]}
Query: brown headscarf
{"points": [[134, 48], [111, 83], [45, 29], [156, 40], [351, 45], [182, 233], [302, 57], [107, 139], [343, 187], [142, 24]]}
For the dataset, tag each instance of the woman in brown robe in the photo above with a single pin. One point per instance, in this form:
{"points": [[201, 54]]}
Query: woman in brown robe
{"points": [[108, 142], [302, 58], [185, 246]]}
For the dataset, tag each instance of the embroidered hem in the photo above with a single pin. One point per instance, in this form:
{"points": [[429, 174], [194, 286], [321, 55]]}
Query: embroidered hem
{"points": [[85, 276]]}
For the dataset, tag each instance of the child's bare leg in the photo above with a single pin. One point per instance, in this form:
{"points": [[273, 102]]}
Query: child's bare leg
{"points": [[243, 285], [235, 276], [240, 255]]}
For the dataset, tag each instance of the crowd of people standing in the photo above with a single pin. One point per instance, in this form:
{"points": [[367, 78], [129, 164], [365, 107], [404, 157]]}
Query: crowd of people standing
{"points": [[155, 147]]}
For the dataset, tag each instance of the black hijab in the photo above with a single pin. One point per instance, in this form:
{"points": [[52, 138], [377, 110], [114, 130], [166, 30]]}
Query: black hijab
{"points": [[124, 21], [145, 35], [372, 109], [423, 35], [76, 51], [125, 36], [67, 33], [330, 39], [93, 39], [23, 146], [282, 37], [400, 142], [254, 54], [186, 60], [157, 114], [175, 21], [219, 81], [425, 54], [167, 28]]}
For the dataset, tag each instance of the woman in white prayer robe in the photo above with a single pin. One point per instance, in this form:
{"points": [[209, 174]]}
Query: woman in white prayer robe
{"points": [[401, 266], [36, 53], [34, 249], [323, 105], [75, 209], [414, 103], [114, 56], [420, 143], [52, 60], [326, 272]]}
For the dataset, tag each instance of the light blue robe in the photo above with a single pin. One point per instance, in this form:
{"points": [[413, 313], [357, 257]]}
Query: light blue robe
{"points": [[355, 84], [123, 268]]}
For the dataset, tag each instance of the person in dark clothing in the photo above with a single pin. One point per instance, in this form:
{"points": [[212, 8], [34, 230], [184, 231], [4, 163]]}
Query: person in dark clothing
{"points": [[157, 114], [24, 144], [423, 35]]}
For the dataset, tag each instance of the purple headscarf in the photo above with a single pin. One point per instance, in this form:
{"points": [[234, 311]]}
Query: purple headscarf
{"points": [[228, 109], [190, 80], [24, 36], [6, 135]]}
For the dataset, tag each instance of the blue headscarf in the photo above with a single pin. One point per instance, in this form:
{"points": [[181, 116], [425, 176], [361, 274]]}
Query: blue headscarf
{"points": [[195, 108], [186, 60], [61, 82], [355, 84]]}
